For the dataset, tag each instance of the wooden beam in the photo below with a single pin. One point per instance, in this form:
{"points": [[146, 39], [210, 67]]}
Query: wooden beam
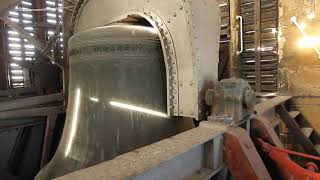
{"points": [[268, 104], [30, 102], [35, 112], [47, 142], [257, 44], [7, 5], [16, 92], [4, 82], [296, 131], [234, 58]]}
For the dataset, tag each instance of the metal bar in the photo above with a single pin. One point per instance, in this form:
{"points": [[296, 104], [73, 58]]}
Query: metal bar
{"points": [[14, 149], [178, 157], [269, 104], [241, 34], [257, 44], [47, 142], [295, 130], [234, 58], [36, 112], [17, 153], [30, 102]]}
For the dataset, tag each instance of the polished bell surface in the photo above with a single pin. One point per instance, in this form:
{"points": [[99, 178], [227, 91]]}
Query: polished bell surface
{"points": [[117, 98]]}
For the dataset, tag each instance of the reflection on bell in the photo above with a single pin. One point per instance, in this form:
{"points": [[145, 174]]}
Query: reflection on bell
{"points": [[117, 98], [138, 109]]}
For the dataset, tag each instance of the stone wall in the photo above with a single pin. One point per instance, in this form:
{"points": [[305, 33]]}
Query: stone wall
{"points": [[299, 68]]}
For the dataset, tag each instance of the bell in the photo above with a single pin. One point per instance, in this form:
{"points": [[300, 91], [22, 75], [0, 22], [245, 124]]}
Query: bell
{"points": [[117, 98]]}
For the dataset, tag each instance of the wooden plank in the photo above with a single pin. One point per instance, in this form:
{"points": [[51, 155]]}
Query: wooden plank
{"points": [[270, 103], [273, 72], [264, 67], [264, 25], [307, 131], [294, 114], [263, 54], [295, 130], [225, 31]]}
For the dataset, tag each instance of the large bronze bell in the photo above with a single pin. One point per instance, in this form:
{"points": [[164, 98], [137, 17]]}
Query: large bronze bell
{"points": [[117, 98]]}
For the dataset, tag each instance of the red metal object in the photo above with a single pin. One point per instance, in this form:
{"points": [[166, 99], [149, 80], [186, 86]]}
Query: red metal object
{"points": [[312, 167], [289, 169], [242, 157], [262, 128]]}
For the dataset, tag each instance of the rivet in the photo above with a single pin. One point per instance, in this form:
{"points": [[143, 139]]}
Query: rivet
{"points": [[180, 7], [168, 20], [181, 84], [174, 14]]}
